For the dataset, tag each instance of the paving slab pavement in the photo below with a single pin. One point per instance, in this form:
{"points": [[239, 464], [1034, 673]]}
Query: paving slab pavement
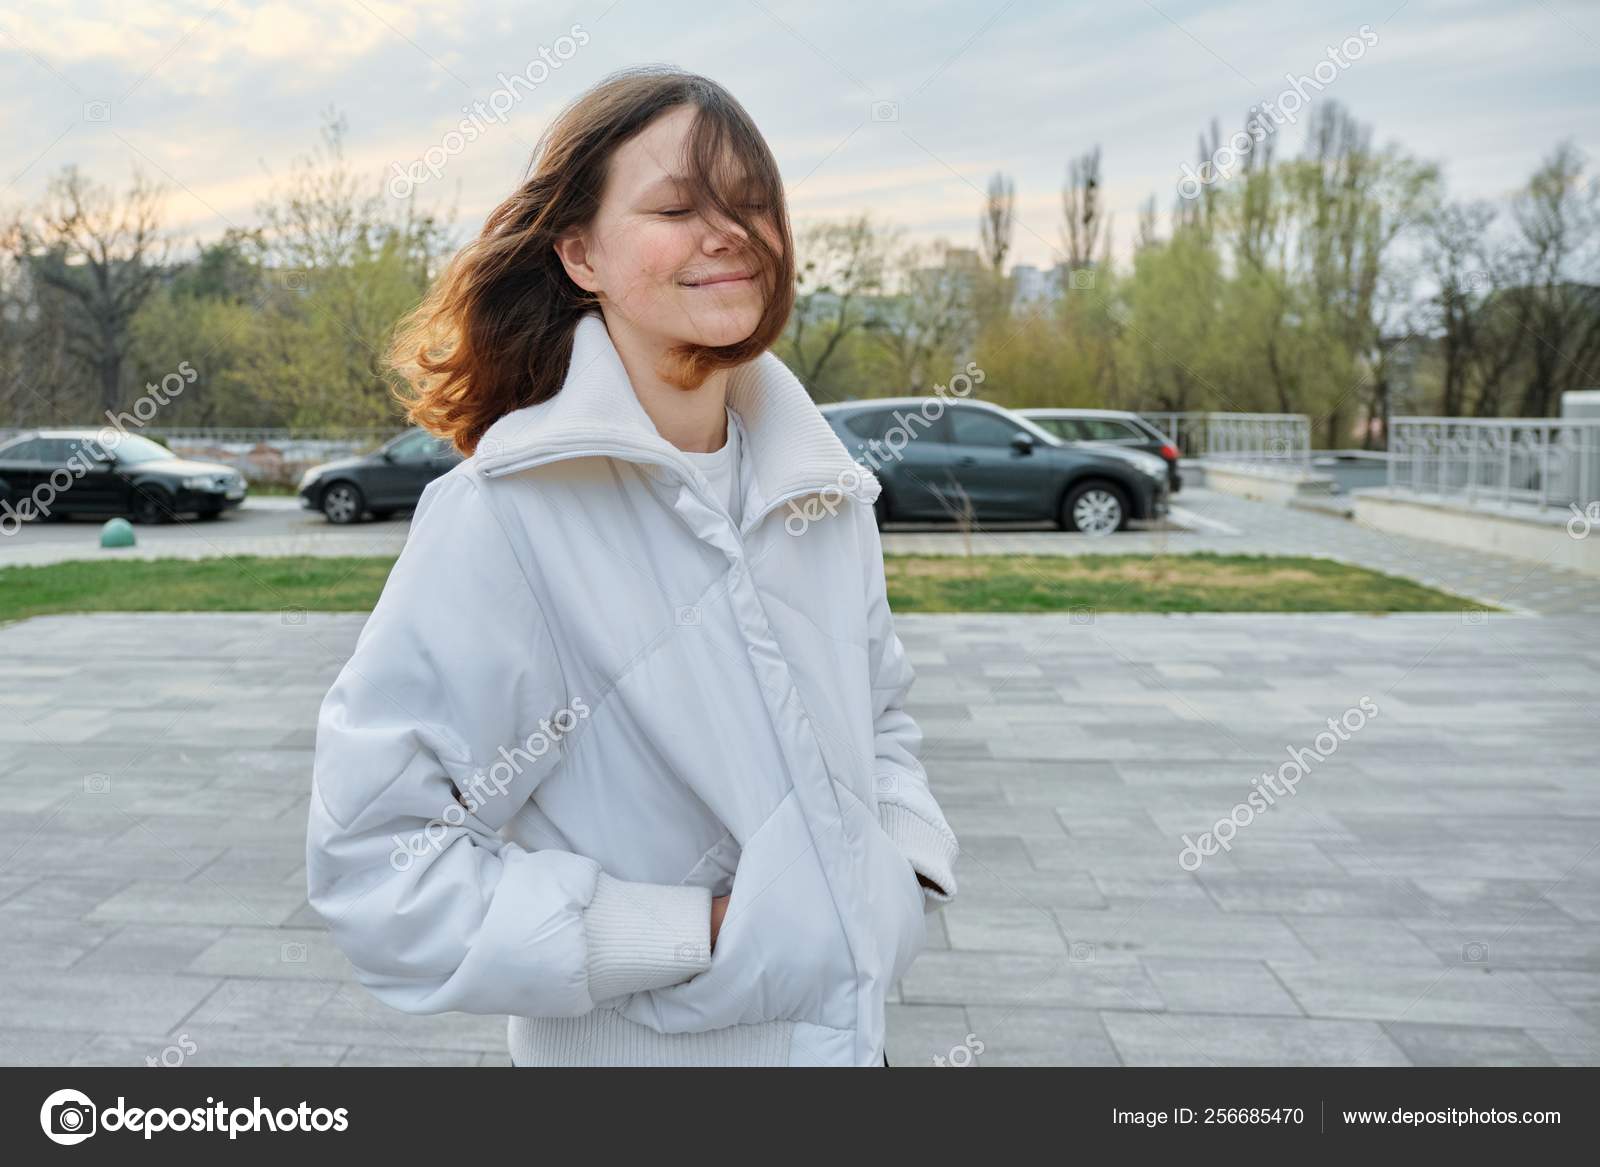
{"points": [[1428, 894]]}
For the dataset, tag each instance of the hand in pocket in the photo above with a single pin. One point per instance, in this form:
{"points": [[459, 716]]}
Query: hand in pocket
{"points": [[778, 953], [897, 899], [719, 909]]}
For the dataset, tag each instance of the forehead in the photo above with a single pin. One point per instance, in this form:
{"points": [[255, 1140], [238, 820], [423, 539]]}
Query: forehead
{"points": [[655, 161]]}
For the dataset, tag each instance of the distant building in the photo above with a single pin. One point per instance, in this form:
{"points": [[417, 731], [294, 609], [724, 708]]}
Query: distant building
{"points": [[1035, 286]]}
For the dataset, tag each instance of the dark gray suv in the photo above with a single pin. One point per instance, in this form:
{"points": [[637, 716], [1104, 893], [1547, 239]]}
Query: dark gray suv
{"points": [[935, 456], [391, 478]]}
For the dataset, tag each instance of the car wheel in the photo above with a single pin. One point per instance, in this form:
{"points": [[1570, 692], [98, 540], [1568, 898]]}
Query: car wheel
{"points": [[152, 505], [343, 503], [1094, 508]]}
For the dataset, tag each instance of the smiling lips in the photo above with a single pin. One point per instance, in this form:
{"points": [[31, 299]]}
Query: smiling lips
{"points": [[725, 278]]}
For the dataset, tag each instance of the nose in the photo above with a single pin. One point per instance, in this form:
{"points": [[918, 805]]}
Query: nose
{"points": [[723, 234]]}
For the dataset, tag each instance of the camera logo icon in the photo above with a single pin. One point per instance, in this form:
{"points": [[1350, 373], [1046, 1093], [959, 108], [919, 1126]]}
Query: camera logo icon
{"points": [[68, 1117]]}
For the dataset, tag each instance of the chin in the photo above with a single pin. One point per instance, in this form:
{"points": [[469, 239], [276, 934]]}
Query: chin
{"points": [[716, 329]]}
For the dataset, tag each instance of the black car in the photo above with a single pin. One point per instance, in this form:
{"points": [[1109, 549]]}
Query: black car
{"points": [[1110, 427], [109, 473], [389, 479], [934, 461]]}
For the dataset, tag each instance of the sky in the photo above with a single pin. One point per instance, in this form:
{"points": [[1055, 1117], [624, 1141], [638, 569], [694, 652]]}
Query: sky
{"points": [[895, 109]]}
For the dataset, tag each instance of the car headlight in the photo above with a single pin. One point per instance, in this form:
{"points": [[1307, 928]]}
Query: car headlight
{"points": [[201, 482], [308, 477]]}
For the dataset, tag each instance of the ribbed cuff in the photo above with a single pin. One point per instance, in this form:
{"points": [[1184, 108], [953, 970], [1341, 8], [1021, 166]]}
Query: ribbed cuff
{"points": [[645, 935], [932, 850]]}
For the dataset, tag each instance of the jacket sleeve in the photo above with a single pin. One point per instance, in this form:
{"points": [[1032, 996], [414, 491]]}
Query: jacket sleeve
{"points": [[449, 713], [907, 810]]}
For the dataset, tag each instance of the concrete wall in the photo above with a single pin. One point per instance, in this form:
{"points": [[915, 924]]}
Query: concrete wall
{"points": [[1542, 539]]}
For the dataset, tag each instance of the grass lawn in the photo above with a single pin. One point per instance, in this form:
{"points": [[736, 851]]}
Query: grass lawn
{"points": [[917, 583], [1202, 582], [245, 583]]}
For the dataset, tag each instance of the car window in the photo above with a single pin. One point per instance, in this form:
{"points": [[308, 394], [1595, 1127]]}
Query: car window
{"points": [[1062, 427], [51, 451], [87, 450], [134, 450], [417, 447], [29, 450], [867, 425], [1109, 429], [979, 427]]}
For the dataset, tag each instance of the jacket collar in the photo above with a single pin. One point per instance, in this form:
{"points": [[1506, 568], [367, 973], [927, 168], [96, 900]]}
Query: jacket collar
{"points": [[791, 449]]}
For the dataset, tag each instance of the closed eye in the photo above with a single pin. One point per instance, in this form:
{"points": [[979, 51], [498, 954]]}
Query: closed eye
{"points": [[677, 211]]}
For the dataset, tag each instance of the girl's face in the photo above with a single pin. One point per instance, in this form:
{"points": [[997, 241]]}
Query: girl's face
{"points": [[671, 274]]}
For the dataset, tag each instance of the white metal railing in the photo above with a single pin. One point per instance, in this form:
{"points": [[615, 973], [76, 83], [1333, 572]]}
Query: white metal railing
{"points": [[1276, 441], [1265, 440], [1186, 429], [1497, 462]]}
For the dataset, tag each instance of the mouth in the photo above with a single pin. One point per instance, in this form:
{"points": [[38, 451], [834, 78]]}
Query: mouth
{"points": [[726, 280]]}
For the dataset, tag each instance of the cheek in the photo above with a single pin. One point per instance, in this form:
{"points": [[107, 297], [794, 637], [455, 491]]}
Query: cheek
{"points": [[656, 253]]}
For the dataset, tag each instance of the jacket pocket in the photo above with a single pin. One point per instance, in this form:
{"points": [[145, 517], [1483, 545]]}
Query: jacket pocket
{"points": [[716, 867], [891, 894], [781, 953]]}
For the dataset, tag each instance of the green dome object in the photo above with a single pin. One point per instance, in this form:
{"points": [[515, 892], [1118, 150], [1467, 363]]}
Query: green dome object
{"points": [[117, 533]]}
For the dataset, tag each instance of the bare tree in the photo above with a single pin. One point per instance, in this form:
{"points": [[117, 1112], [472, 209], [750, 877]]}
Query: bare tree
{"points": [[1558, 219], [841, 271], [995, 226], [101, 256], [1146, 236], [1198, 213], [1353, 203], [1459, 262], [1086, 235], [996, 291], [927, 325], [39, 381]]}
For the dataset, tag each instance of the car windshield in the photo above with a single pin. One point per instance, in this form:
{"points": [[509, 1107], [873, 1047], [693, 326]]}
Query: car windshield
{"points": [[133, 449]]}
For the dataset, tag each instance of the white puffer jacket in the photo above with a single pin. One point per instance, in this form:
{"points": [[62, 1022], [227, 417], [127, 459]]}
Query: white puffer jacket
{"points": [[585, 704]]}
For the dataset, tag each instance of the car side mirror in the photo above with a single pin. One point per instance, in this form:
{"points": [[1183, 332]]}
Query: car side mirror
{"points": [[1022, 444], [388, 455]]}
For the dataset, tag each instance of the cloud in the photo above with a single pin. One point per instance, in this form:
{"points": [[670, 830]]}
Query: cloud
{"points": [[216, 95]]}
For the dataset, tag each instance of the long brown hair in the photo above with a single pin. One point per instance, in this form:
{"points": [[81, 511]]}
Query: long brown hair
{"points": [[494, 332]]}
